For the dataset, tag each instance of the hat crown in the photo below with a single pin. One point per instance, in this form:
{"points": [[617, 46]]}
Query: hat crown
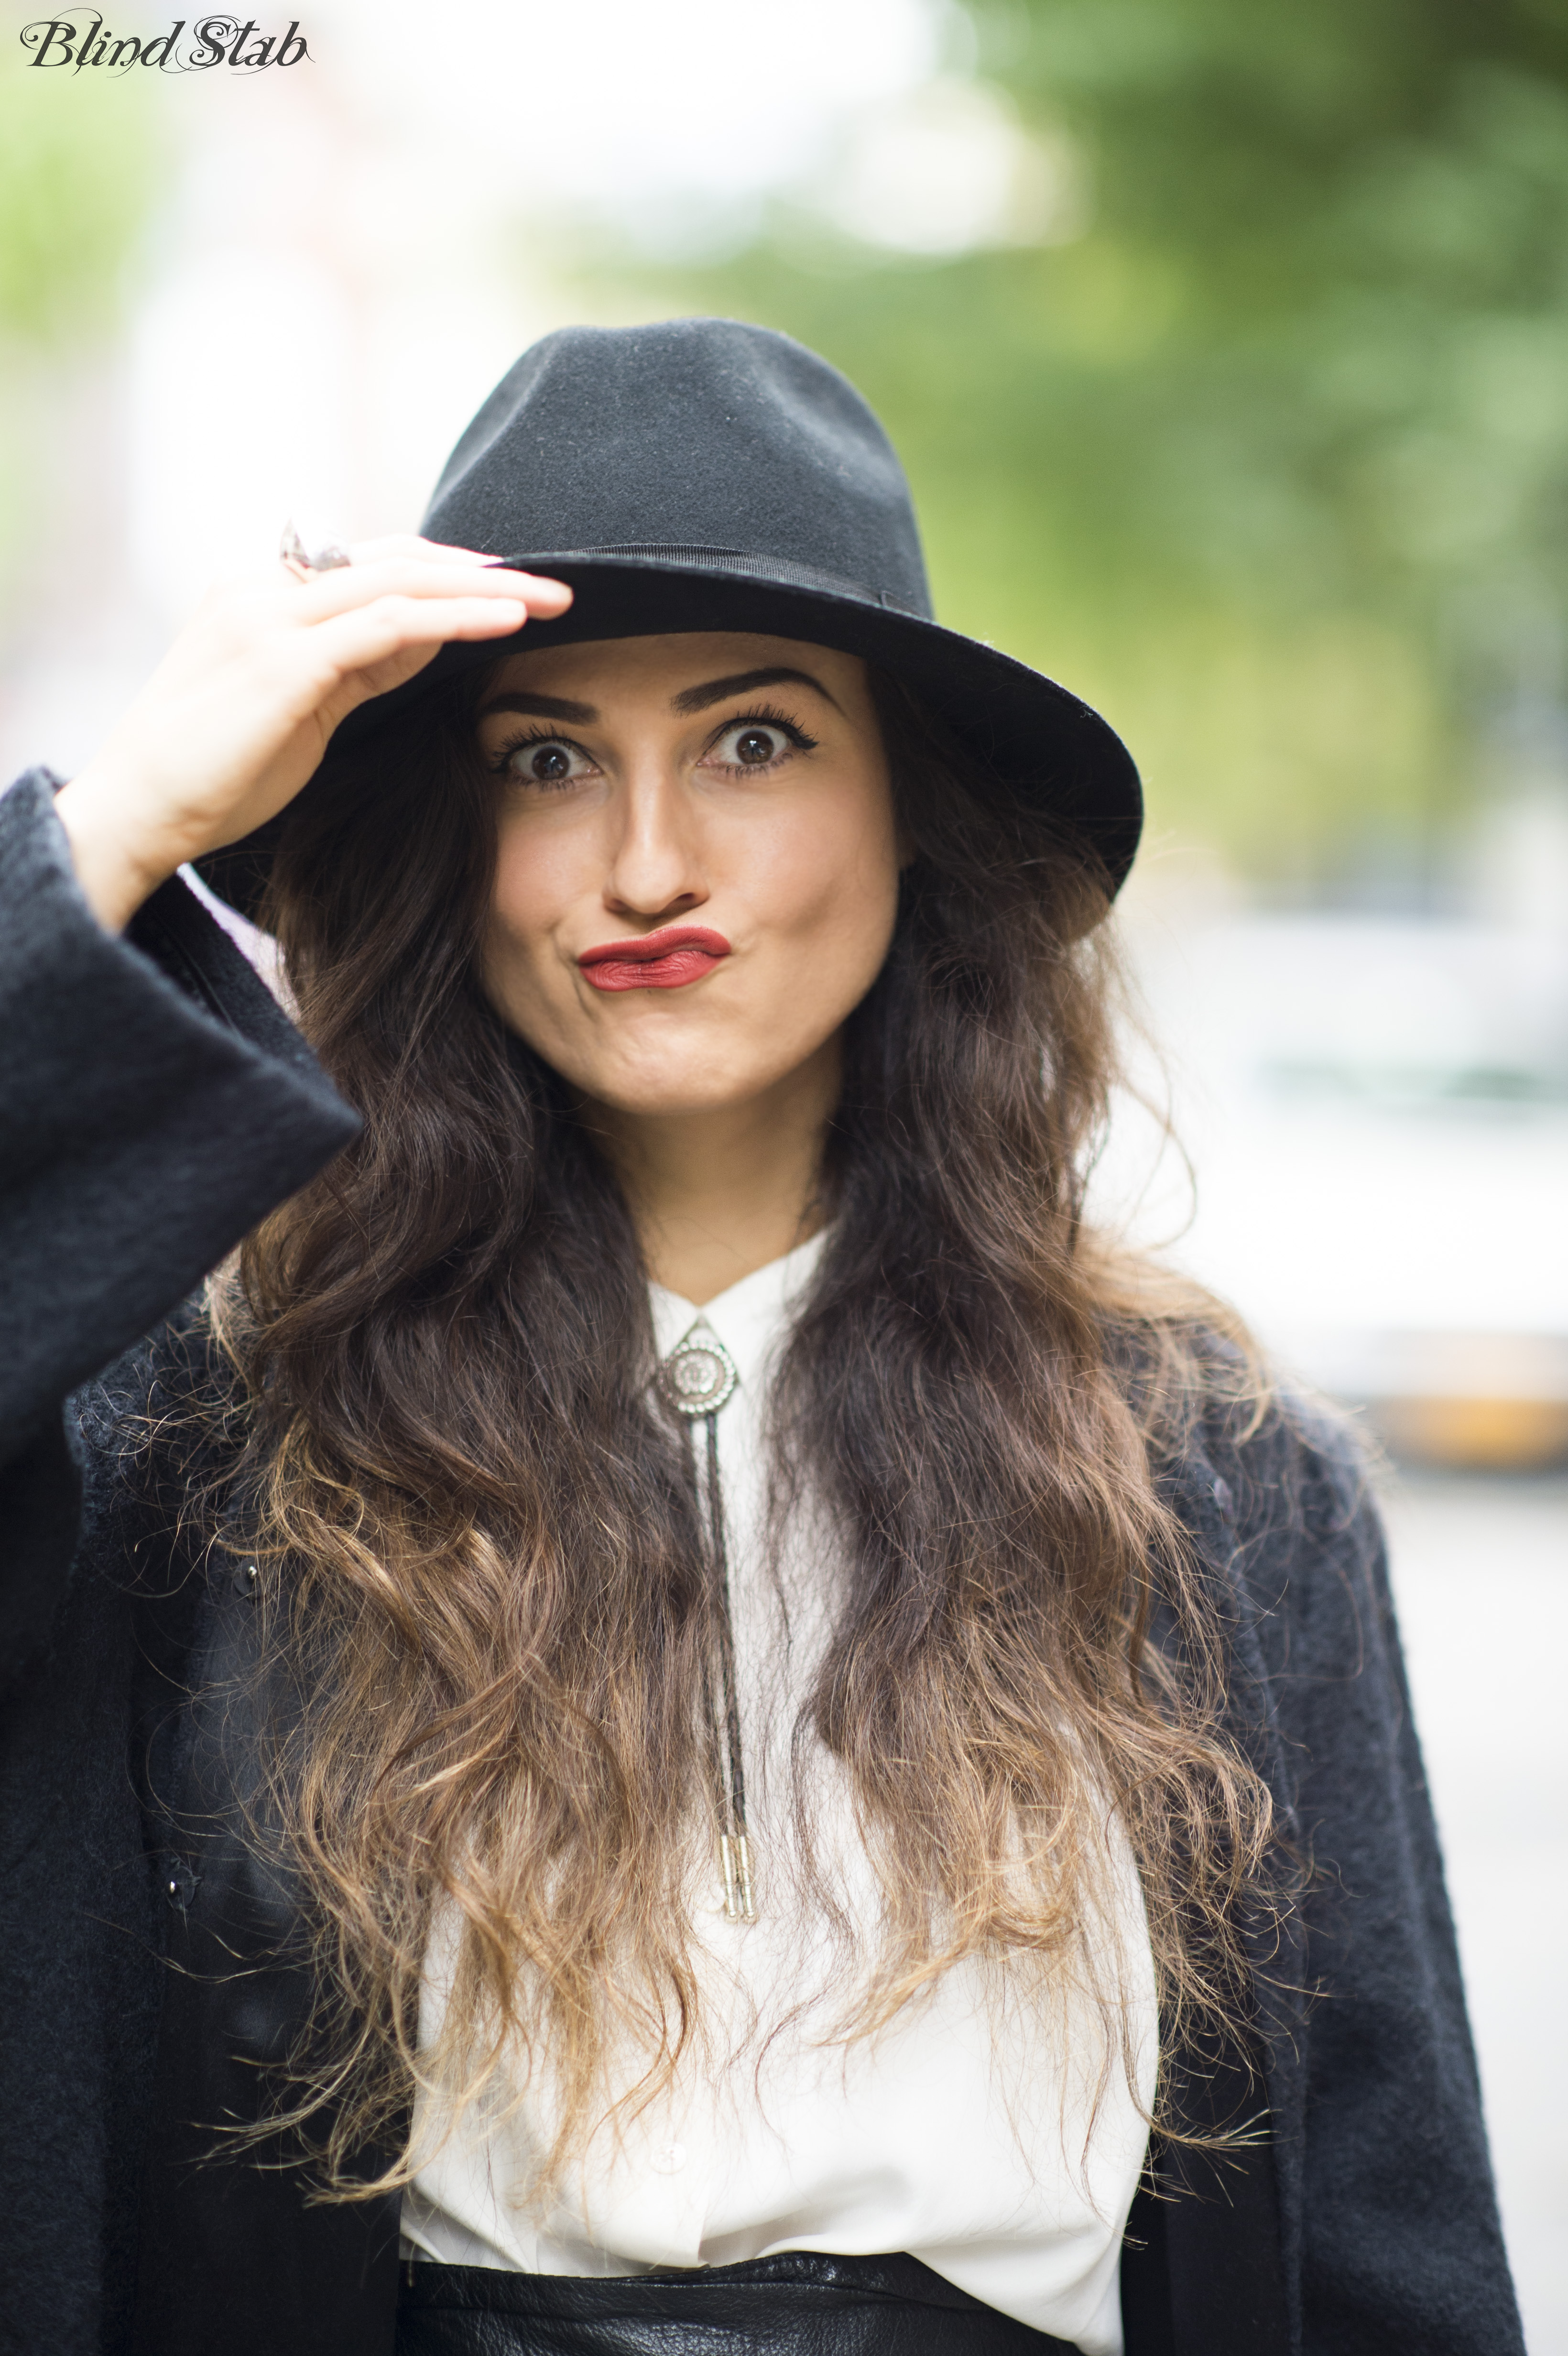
{"points": [[690, 433]]}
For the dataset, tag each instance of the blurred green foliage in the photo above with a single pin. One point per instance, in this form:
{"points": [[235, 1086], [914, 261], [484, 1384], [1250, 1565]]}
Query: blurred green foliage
{"points": [[81, 167], [78, 166], [1272, 459]]}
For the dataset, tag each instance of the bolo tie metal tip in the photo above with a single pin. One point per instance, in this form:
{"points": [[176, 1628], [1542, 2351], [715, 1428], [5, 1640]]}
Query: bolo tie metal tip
{"points": [[735, 1859]]}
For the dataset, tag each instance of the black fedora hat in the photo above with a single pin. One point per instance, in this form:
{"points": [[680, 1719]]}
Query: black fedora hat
{"points": [[705, 475]]}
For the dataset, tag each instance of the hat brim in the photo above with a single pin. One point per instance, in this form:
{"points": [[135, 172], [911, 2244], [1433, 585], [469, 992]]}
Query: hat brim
{"points": [[1048, 746]]}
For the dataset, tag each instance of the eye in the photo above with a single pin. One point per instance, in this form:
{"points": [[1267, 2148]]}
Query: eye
{"points": [[751, 747], [759, 742], [544, 761]]}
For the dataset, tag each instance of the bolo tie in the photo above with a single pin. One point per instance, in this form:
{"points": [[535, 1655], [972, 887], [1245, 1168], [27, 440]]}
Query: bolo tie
{"points": [[697, 1379]]}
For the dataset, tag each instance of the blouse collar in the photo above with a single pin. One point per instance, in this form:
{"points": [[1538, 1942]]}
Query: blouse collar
{"points": [[751, 1318]]}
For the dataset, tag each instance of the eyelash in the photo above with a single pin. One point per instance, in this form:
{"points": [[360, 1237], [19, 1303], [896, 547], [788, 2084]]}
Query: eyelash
{"points": [[766, 715], [534, 736], [763, 716]]}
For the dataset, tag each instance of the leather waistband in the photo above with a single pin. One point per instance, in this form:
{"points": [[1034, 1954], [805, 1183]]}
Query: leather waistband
{"points": [[800, 2303]]}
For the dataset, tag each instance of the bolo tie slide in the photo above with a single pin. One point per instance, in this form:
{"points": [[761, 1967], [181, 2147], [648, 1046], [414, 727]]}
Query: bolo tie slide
{"points": [[697, 1379]]}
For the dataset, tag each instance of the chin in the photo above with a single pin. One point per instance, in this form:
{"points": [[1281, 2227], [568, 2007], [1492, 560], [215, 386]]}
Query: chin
{"points": [[670, 1091], [691, 1070]]}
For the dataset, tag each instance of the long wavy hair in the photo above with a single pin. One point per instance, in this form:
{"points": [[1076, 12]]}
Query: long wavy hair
{"points": [[484, 1566]]}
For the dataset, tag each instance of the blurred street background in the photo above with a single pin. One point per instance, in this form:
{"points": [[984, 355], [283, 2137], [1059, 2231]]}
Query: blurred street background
{"points": [[1226, 343]]}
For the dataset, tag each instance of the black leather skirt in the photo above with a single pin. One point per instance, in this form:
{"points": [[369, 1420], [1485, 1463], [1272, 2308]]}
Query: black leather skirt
{"points": [[801, 2303]]}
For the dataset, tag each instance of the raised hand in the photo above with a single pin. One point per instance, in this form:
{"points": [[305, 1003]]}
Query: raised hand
{"points": [[237, 716]]}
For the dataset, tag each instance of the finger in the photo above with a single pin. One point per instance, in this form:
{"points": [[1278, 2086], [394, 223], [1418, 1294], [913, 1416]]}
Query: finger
{"points": [[370, 634], [408, 546], [347, 586]]}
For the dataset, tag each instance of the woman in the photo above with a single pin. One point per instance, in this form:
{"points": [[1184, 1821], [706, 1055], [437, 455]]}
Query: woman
{"points": [[679, 1698]]}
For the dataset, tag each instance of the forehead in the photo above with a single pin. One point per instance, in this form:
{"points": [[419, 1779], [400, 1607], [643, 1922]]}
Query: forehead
{"points": [[604, 671]]}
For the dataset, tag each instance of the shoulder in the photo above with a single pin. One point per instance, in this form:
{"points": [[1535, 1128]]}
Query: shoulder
{"points": [[1220, 1416], [1278, 1488], [1300, 1471]]}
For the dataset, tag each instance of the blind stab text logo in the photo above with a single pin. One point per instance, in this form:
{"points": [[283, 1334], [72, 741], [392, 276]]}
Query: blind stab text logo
{"points": [[70, 42]]}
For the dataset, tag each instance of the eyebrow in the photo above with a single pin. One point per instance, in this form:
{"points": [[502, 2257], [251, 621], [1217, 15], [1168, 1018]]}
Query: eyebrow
{"points": [[544, 707], [741, 683], [690, 699]]}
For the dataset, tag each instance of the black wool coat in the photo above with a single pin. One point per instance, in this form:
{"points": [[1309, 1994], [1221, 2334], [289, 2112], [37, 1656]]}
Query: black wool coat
{"points": [[153, 1105]]}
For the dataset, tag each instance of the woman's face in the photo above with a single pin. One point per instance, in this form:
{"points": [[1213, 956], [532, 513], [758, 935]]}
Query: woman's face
{"points": [[698, 872]]}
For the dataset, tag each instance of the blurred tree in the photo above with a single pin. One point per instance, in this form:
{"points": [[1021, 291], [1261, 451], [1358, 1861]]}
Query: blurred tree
{"points": [[79, 169], [78, 166], [1270, 456]]}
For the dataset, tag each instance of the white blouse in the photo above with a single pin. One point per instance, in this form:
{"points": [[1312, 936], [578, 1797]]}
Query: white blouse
{"points": [[984, 2137]]}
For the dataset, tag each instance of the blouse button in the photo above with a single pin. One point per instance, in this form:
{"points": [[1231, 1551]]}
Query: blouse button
{"points": [[670, 2159]]}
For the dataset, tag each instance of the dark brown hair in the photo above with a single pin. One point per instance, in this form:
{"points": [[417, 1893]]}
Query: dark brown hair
{"points": [[485, 1563]]}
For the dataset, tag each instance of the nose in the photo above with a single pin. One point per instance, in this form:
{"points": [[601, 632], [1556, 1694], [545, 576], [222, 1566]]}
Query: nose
{"points": [[657, 869]]}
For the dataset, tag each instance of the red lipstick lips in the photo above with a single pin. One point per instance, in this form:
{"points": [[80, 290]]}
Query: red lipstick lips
{"points": [[662, 961]]}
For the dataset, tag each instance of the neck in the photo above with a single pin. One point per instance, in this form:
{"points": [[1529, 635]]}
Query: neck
{"points": [[719, 1192]]}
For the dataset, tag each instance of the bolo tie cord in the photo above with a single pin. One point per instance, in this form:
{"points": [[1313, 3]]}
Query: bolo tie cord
{"points": [[734, 1844], [697, 1379]]}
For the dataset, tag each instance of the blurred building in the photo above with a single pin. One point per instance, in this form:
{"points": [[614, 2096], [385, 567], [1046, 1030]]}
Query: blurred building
{"points": [[1375, 1110]]}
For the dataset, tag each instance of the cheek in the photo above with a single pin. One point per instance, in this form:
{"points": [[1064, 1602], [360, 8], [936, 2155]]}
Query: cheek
{"points": [[835, 888], [536, 878], [534, 884]]}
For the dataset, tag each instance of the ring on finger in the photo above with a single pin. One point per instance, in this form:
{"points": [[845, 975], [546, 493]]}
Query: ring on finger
{"points": [[305, 564]]}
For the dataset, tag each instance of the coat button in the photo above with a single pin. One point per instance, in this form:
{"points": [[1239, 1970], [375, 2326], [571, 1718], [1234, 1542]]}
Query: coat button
{"points": [[247, 1580]]}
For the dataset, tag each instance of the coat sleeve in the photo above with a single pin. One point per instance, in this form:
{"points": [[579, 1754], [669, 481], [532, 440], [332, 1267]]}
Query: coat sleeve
{"points": [[1382, 2146], [153, 1105]]}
